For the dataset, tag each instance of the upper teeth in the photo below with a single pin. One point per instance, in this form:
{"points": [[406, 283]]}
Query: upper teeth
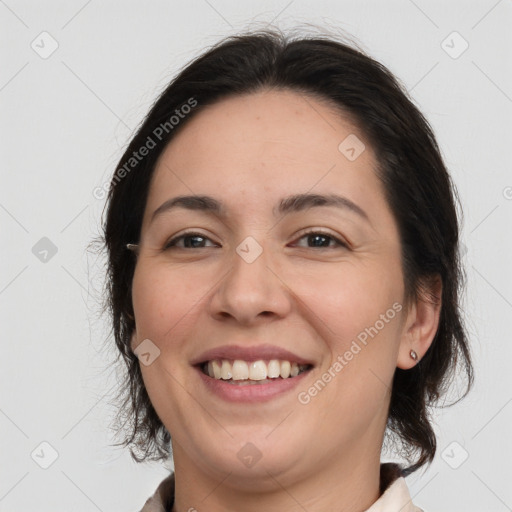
{"points": [[253, 370]]}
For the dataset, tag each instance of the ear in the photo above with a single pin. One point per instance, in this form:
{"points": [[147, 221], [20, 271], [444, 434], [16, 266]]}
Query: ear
{"points": [[133, 340], [133, 337], [421, 323]]}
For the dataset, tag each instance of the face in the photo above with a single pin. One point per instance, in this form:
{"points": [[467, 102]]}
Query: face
{"points": [[310, 283]]}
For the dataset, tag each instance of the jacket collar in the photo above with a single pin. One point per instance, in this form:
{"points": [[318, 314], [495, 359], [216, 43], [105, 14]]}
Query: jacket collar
{"points": [[395, 495]]}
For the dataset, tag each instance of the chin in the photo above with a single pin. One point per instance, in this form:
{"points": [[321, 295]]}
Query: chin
{"points": [[251, 458]]}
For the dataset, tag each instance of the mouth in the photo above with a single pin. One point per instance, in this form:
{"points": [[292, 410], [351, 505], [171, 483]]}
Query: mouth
{"points": [[246, 373], [250, 373]]}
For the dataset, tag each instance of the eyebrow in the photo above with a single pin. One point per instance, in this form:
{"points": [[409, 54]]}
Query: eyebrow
{"points": [[293, 203]]}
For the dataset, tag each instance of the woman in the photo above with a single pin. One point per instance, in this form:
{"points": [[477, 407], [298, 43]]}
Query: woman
{"points": [[283, 280]]}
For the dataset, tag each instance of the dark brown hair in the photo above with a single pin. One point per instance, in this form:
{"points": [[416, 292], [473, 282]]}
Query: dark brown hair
{"points": [[418, 189]]}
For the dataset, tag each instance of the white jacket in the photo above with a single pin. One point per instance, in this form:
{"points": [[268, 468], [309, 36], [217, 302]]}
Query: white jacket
{"points": [[394, 497]]}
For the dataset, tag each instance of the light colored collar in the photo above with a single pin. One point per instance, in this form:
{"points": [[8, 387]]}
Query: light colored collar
{"points": [[396, 498]]}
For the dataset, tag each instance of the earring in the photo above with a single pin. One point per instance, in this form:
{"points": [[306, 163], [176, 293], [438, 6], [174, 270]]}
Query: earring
{"points": [[413, 355], [132, 247]]}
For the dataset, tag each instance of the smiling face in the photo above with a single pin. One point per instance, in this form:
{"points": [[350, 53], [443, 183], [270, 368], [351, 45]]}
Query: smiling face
{"points": [[327, 278]]}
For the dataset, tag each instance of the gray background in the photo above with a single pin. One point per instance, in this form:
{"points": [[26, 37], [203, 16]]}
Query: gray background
{"points": [[65, 121]]}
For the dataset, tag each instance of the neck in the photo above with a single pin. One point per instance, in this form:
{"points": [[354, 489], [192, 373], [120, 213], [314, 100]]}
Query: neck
{"points": [[351, 485]]}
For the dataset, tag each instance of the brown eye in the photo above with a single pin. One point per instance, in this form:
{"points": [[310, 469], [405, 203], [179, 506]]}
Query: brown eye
{"points": [[321, 240], [190, 241]]}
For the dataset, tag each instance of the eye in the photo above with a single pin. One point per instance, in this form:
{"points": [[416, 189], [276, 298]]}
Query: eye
{"points": [[190, 239], [193, 240], [321, 239]]}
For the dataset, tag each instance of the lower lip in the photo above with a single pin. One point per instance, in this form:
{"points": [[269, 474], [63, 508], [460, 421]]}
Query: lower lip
{"points": [[250, 392]]}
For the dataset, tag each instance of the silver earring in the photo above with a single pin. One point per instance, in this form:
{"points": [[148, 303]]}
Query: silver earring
{"points": [[413, 355], [132, 247]]}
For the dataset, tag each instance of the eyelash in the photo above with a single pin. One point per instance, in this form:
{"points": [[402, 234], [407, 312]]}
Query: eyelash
{"points": [[190, 234]]}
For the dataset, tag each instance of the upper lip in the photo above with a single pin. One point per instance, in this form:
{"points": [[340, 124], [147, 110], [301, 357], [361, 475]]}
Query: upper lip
{"points": [[251, 353]]}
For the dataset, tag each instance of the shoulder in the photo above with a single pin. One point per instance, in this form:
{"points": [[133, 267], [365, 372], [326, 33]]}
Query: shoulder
{"points": [[394, 491], [163, 498]]}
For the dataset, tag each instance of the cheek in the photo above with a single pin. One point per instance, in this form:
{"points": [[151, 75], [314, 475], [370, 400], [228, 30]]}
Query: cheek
{"points": [[165, 303], [353, 300], [164, 298], [359, 312]]}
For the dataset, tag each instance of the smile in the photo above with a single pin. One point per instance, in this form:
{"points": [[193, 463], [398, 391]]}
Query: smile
{"points": [[252, 372]]}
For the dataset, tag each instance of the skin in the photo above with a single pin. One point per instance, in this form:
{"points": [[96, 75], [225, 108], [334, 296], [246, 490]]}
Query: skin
{"points": [[249, 152]]}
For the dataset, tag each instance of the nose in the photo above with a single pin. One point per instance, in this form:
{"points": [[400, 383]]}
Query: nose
{"points": [[251, 292]]}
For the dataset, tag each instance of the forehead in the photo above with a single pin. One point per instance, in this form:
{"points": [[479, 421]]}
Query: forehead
{"points": [[262, 146], [285, 123]]}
